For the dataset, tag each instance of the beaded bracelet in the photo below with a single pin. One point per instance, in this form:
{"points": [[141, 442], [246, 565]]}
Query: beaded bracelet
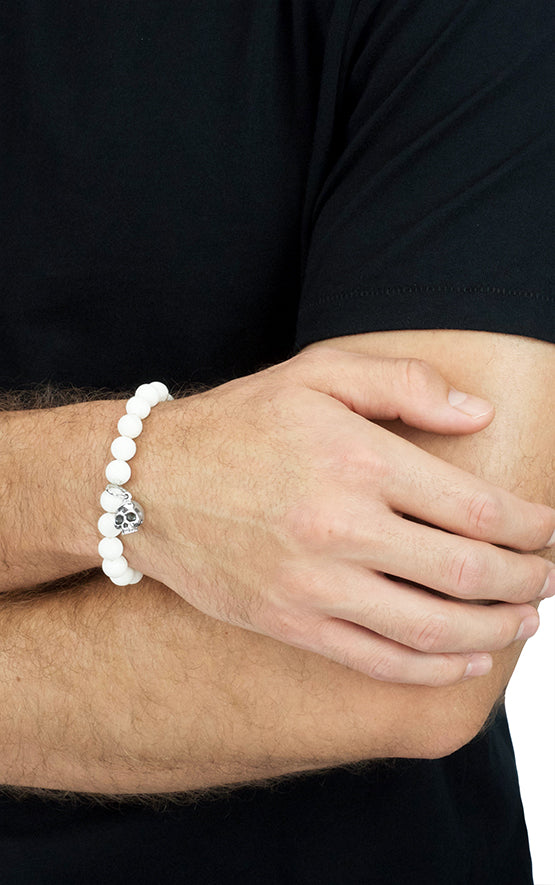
{"points": [[122, 514]]}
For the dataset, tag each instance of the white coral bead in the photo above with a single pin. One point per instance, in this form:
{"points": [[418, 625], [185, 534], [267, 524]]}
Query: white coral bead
{"points": [[107, 526], [138, 406], [110, 548], [130, 576], [150, 393], [118, 472], [109, 502], [162, 390], [114, 568], [123, 448], [130, 425]]}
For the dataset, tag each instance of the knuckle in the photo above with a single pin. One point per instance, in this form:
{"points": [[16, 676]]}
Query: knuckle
{"points": [[297, 368], [376, 469], [299, 522], [307, 357], [501, 626], [312, 357], [503, 633], [286, 624], [467, 574], [352, 467], [298, 590], [445, 672], [534, 579], [483, 513], [319, 527], [540, 527], [381, 666], [332, 528], [500, 635], [417, 375], [430, 635]]}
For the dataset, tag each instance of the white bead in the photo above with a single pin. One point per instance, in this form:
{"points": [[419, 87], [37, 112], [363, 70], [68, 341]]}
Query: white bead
{"points": [[123, 448], [170, 397], [110, 548], [136, 577], [113, 497], [130, 425], [138, 406], [125, 578], [163, 391], [107, 527], [109, 502], [148, 392], [118, 472], [114, 568]]}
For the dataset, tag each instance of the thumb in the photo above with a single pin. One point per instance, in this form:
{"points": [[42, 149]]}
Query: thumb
{"points": [[390, 388]]}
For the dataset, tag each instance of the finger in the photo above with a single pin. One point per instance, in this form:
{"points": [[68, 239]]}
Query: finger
{"points": [[380, 658], [417, 619], [414, 391], [456, 566], [447, 496], [390, 388]]}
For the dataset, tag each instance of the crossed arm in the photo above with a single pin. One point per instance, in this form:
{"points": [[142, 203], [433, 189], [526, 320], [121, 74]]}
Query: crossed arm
{"points": [[135, 691]]}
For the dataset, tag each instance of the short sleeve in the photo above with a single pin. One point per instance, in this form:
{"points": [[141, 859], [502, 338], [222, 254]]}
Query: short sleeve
{"points": [[430, 202]]}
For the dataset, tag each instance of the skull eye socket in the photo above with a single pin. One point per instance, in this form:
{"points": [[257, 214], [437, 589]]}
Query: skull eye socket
{"points": [[131, 517], [119, 519]]}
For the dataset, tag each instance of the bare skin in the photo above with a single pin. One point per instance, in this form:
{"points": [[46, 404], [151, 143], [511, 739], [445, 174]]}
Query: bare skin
{"points": [[275, 504], [135, 690]]}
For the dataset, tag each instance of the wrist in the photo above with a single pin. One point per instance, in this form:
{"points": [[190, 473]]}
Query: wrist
{"points": [[155, 467], [54, 460], [123, 515]]}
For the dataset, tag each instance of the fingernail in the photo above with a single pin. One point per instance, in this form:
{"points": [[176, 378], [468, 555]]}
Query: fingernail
{"points": [[528, 627], [469, 405], [478, 666], [551, 542], [548, 588]]}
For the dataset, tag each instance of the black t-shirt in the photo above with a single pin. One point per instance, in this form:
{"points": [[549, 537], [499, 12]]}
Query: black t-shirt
{"points": [[191, 191]]}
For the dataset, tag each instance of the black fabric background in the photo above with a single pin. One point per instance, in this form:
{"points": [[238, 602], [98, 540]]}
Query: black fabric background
{"points": [[191, 191], [456, 821]]}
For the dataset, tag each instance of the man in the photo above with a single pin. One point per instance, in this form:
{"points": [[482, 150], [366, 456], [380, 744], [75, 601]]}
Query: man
{"points": [[196, 193]]}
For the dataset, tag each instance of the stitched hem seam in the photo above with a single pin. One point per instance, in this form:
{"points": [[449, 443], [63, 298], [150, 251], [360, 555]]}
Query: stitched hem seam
{"points": [[393, 290]]}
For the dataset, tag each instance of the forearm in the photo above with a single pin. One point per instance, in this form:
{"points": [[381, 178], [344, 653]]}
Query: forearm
{"points": [[131, 690], [163, 698]]}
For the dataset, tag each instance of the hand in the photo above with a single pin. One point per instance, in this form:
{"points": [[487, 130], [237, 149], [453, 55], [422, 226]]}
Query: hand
{"points": [[273, 503]]}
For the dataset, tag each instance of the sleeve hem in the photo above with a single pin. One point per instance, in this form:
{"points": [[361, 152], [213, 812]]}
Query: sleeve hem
{"points": [[391, 308]]}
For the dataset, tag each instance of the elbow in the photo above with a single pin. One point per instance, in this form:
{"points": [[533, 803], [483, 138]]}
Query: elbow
{"points": [[448, 740], [450, 727]]}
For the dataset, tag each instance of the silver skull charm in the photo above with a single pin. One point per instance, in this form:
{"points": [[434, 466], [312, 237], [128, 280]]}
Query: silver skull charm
{"points": [[129, 516]]}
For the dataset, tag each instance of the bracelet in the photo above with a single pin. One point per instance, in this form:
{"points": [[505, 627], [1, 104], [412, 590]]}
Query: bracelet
{"points": [[122, 514]]}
